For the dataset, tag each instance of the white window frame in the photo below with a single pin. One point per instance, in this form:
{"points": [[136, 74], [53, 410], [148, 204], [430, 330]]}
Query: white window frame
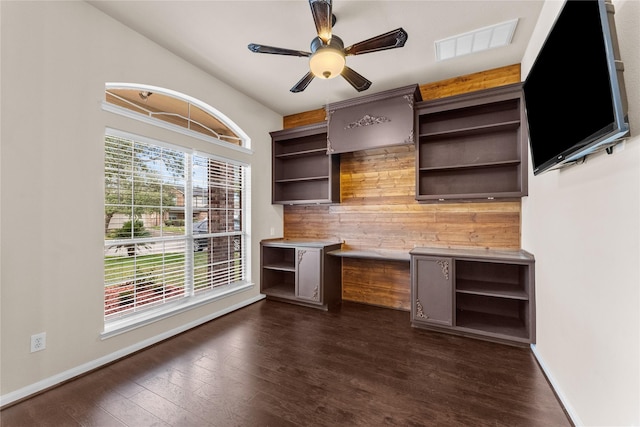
{"points": [[129, 322]]}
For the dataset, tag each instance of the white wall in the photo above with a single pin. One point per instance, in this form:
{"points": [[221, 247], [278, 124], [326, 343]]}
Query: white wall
{"points": [[582, 224], [56, 58]]}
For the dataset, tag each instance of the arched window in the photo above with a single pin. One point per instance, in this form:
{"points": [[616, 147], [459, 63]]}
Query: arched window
{"points": [[175, 232], [174, 110]]}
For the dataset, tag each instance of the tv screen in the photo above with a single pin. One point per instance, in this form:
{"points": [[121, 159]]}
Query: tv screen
{"points": [[574, 95]]}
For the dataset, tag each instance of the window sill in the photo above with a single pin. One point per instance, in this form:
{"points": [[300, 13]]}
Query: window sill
{"points": [[129, 323]]}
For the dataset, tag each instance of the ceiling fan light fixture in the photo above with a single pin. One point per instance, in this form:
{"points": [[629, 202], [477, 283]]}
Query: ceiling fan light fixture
{"points": [[327, 54], [327, 62]]}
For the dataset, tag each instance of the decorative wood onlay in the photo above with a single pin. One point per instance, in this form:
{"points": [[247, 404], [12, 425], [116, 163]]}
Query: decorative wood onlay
{"points": [[330, 149], [301, 253], [316, 294], [444, 265], [409, 139], [367, 120], [410, 100], [420, 310]]}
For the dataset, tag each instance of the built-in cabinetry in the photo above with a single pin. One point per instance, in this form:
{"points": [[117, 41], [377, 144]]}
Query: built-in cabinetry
{"points": [[378, 120], [302, 170], [300, 272], [472, 146], [477, 292]]}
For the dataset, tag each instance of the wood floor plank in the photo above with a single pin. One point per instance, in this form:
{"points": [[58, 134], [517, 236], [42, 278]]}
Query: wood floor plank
{"points": [[277, 364]]}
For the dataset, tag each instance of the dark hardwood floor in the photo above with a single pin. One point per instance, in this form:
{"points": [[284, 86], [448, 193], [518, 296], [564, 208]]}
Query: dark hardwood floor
{"points": [[276, 364]]}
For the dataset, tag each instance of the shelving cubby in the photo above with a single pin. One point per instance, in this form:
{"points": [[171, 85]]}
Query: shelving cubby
{"points": [[303, 172], [492, 297], [472, 146], [279, 271]]}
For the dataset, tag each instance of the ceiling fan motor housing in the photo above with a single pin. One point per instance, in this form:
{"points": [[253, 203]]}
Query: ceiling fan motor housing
{"points": [[327, 60]]}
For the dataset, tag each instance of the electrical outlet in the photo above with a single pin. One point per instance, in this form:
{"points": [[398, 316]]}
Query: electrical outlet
{"points": [[38, 342], [273, 231]]}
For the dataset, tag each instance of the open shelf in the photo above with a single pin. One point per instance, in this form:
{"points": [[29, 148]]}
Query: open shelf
{"points": [[492, 289], [301, 191], [280, 266], [462, 166], [280, 290], [279, 258], [493, 324], [302, 153], [279, 282], [490, 128], [306, 178], [477, 182]]}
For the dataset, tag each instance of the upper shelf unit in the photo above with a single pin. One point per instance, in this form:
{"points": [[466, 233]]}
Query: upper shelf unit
{"points": [[472, 146], [303, 173]]}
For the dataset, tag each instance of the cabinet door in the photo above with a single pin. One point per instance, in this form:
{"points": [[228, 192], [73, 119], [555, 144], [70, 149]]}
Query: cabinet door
{"points": [[308, 274], [432, 290]]}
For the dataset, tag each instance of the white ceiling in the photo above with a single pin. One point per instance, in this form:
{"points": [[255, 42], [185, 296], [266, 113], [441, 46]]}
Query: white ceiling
{"points": [[214, 35]]}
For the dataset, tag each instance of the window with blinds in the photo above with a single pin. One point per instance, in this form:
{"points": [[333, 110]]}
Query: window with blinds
{"points": [[174, 228]]}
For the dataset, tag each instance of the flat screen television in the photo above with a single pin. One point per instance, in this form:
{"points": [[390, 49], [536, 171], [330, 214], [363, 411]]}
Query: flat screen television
{"points": [[574, 93]]}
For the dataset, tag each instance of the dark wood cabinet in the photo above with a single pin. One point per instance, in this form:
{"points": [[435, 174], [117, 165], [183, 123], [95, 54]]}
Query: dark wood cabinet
{"points": [[303, 173], [300, 272], [379, 120], [472, 146], [483, 293]]}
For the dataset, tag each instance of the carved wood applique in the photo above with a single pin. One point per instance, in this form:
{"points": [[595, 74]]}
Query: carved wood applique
{"points": [[444, 265], [410, 138], [367, 120], [420, 310], [409, 99], [301, 253]]}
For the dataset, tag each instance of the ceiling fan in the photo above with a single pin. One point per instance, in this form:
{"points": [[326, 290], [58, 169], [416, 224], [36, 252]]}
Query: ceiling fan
{"points": [[327, 56]]}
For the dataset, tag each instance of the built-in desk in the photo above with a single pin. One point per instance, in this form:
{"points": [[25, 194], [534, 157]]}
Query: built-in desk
{"points": [[372, 254], [375, 276]]}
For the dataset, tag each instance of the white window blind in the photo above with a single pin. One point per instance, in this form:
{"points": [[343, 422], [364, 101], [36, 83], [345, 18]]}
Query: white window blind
{"points": [[173, 226]]}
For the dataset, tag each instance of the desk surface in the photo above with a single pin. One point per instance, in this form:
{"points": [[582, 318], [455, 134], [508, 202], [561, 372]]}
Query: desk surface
{"points": [[372, 254]]}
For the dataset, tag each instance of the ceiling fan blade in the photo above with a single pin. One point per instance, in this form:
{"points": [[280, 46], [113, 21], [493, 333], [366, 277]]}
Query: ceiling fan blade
{"points": [[356, 80], [322, 16], [390, 40], [259, 48], [303, 83]]}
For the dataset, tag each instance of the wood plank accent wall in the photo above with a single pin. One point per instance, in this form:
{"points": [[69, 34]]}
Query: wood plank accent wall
{"points": [[306, 118], [443, 88], [378, 209]]}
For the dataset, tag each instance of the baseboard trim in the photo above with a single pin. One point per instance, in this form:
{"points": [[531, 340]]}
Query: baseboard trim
{"points": [[575, 419], [47, 383]]}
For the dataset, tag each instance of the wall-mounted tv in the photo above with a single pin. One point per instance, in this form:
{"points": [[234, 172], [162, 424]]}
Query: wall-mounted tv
{"points": [[574, 93]]}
